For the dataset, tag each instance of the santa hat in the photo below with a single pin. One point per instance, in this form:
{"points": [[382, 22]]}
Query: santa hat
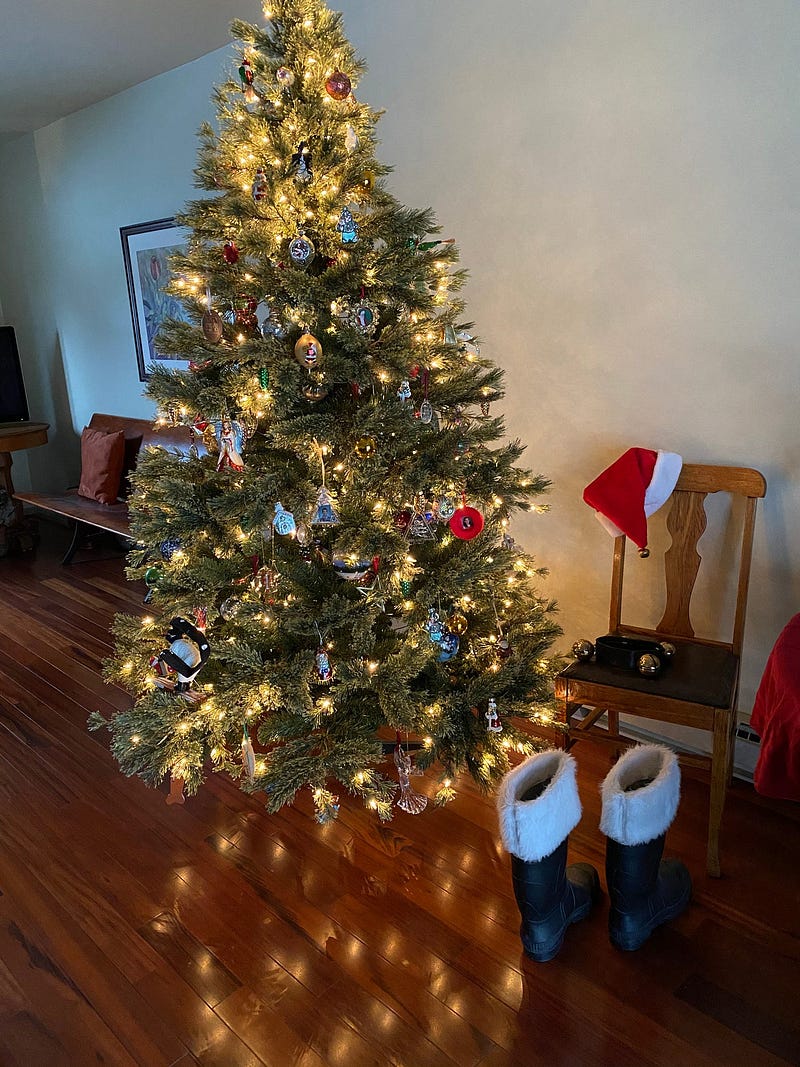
{"points": [[633, 488]]}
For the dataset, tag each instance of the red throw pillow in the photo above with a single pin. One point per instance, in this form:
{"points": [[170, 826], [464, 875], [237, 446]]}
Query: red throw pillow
{"points": [[102, 458]]}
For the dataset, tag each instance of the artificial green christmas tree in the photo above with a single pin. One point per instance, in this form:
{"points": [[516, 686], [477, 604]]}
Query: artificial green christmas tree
{"points": [[338, 536]]}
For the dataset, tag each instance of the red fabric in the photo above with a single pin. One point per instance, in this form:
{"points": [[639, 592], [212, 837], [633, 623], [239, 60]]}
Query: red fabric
{"points": [[776, 718], [102, 457], [619, 492]]}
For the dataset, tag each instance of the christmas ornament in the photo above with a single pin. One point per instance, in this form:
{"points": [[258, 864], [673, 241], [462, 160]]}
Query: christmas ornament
{"points": [[283, 522], [301, 251], [445, 508], [263, 582], [667, 650], [187, 654], [324, 512], [300, 164], [338, 85], [466, 522], [352, 570], [402, 518], [468, 345], [248, 755], [153, 575], [408, 800], [230, 439], [406, 586], [303, 534], [270, 327], [260, 190], [230, 252], [365, 446], [367, 181], [211, 325], [419, 526], [315, 390], [284, 77], [347, 227], [425, 408], [493, 724], [245, 312], [448, 646], [201, 618], [503, 647], [350, 139], [197, 368], [322, 665], [169, 547], [360, 315], [230, 608], [583, 651], [308, 351], [246, 75], [404, 392], [449, 335], [434, 626], [457, 622], [263, 378]]}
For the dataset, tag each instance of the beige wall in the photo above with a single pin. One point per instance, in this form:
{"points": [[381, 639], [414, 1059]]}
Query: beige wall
{"points": [[622, 178]]}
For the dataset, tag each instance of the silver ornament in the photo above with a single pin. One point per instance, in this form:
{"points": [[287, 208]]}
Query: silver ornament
{"points": [[667, 650], [649, 665]]}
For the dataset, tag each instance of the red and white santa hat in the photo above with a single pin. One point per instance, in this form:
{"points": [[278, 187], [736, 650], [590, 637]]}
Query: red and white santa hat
{"points": [[632, 489]]}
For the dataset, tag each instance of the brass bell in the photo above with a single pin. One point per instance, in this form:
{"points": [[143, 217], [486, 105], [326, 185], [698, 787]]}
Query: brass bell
{"points": [[649, 665]]}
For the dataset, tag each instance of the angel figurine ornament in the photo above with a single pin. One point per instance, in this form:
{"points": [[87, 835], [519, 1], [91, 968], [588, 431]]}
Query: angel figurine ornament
{"points": [[230, 439]]}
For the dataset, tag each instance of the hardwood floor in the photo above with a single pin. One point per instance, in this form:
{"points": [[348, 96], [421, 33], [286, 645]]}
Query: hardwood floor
{"points": [[136, 933]]}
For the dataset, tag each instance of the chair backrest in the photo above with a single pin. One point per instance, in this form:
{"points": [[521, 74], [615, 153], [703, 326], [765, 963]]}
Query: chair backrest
{"points": [[172, 437], [686, 523]]}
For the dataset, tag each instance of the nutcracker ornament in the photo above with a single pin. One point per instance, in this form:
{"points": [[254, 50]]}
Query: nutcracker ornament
{"points": [[247, 78], [179, 665], [322, 666], [260, 189]]}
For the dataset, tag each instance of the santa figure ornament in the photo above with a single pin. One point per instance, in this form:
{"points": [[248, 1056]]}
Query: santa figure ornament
{"points": [[632, 489]]}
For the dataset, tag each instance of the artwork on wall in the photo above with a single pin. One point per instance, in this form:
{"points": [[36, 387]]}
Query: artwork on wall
{"points": [[146, 249]]}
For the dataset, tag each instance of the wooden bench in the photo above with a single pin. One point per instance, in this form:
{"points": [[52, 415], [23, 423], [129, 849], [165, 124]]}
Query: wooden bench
{"points": [[90, 515]]}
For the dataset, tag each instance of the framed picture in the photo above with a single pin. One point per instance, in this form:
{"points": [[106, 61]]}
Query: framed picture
{"points": [[146, 249]]}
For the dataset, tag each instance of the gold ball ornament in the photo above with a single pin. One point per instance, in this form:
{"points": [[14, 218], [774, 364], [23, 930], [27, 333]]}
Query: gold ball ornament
{"points": [[308, 351], [365, 446], [457, 622]]}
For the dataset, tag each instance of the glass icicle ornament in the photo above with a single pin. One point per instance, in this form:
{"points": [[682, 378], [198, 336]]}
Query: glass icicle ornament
{"points": [[407, 800], [248, 755]]}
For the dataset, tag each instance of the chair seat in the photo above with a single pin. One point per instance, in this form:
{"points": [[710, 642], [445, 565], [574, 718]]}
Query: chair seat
{"points": [[700, 674]]}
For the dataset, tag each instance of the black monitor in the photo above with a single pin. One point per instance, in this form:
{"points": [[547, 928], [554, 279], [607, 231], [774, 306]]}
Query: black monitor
{"points": [[13, 402]]}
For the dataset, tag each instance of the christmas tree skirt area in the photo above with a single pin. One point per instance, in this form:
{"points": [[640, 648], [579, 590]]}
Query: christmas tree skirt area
{"points": [[132, 932]]}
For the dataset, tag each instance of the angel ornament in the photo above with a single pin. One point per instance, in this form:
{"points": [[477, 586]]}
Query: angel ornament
{"points": [[230, 438], [413, 803]]}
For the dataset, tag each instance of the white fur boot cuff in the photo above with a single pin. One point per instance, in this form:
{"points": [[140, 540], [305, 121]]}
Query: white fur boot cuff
{"points": [[532, 829], [647, 812]]}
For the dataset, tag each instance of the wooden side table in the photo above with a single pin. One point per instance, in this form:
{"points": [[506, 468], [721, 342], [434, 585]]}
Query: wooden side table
{"points": [[15, 436]]}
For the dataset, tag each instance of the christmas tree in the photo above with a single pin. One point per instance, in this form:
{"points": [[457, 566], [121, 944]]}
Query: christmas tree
{"points": [[331, 566]]}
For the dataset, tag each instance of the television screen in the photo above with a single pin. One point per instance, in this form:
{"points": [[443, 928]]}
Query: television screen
{"points": [[13, 403]]}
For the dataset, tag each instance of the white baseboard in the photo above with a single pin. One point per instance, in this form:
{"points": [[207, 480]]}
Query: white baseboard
{"points": [[745, 752]]}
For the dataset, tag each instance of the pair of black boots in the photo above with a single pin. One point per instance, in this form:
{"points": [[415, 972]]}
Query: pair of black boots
{"points": [[539, 806]]}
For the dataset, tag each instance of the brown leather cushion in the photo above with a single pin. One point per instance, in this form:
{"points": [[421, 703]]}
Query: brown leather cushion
{"points": [[102, 459]]}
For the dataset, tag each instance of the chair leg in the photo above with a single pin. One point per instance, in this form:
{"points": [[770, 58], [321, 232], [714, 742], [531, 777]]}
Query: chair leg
{"points": [[78, 539], [720, 756]]}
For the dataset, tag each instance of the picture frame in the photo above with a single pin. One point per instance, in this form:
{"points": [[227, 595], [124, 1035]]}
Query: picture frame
{"points": [[146, 248]]}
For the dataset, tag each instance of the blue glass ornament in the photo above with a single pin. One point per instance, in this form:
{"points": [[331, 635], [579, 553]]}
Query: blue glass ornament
{"points": [[169, 547], [448, 646]]}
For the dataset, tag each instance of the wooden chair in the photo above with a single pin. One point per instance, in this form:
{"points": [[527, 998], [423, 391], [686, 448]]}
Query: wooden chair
{"points": [[699, 685]]}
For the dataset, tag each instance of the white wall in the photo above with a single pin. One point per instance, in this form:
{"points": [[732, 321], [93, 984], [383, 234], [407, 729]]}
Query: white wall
{"points": [[622, 178]]}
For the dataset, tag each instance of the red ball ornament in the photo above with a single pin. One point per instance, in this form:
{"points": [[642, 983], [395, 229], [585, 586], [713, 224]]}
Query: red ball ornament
{"points": [[338, 85], [230, 252], [466, 523]]}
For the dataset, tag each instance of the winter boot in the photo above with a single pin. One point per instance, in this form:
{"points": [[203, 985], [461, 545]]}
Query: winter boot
{"points": [[640, 799], [538, 805]]}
